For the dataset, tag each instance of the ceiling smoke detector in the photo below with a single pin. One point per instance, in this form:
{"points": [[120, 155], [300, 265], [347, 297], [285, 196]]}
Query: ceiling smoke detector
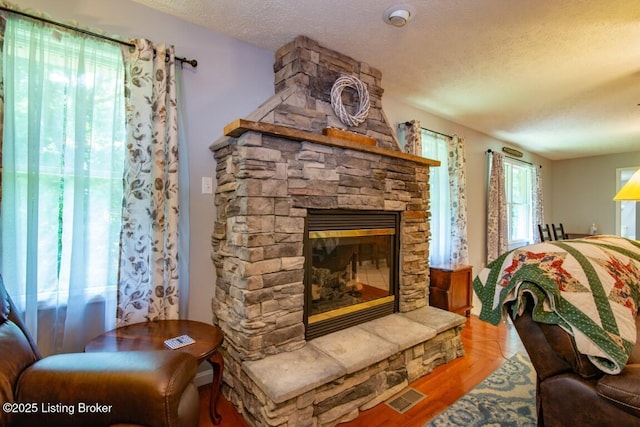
{"points": [[398, 15]]}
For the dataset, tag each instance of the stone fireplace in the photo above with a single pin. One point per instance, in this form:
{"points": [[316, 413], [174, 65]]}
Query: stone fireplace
{"points": [[302, 217]]}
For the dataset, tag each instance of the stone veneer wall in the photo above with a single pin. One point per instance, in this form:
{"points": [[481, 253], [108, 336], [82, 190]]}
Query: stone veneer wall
{"points": [[305, 72], [265, 185]]}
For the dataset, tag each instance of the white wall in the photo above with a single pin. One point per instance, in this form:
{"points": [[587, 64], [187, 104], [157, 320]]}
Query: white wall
{"points": [[476, 146], [583, 191], [231, 80]]}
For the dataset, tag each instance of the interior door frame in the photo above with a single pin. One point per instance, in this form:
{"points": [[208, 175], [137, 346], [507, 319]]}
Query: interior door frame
{"points": [[619, 182]]}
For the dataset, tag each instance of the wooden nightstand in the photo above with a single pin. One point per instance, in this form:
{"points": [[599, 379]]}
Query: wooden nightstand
{"points": [[450, 288]]}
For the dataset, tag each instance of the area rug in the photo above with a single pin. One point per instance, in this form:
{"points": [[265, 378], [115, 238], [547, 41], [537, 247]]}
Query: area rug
{"points": [[507, 397]]}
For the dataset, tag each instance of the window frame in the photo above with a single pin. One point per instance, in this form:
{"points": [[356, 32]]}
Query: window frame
{"points": [[55, 55], [623, 217], [436, 146], [528, 186]]}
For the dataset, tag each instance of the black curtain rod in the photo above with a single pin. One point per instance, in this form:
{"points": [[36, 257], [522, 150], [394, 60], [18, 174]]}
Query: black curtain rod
{"points": [[489, 151], [192, 62], [432, 131], [437, 133]]}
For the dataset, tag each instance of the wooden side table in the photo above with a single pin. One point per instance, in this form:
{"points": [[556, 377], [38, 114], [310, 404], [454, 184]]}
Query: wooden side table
{"points": [[151, 336], [450, 288]]}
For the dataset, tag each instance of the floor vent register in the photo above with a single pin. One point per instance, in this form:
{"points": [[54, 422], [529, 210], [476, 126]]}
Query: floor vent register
{"points": [[405, 400]]}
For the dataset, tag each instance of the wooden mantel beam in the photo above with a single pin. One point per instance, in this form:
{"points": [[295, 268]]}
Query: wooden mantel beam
{"points": [[240, 126]]}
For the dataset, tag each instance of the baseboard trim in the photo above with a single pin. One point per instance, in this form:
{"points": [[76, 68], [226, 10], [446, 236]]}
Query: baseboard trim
{"points": [[203, 377]]}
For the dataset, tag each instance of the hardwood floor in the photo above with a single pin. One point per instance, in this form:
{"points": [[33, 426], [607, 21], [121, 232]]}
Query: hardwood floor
{"points": [[230, 417], [486, 348]]}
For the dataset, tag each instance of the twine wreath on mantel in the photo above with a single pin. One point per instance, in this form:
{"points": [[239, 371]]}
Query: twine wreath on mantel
{"points": [[340, 84]]}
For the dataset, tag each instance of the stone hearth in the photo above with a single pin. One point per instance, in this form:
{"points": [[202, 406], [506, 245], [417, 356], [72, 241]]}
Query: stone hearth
{"points": [[334, 377], [269, 174]]}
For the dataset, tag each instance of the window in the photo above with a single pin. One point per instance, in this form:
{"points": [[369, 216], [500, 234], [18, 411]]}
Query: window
{"points": [[519, 197], [434, 146], [63, 158]]}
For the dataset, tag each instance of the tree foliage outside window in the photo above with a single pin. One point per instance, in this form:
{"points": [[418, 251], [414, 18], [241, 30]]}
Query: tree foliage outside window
{"points": [[62, 166], [434, 146], [519, 197]]}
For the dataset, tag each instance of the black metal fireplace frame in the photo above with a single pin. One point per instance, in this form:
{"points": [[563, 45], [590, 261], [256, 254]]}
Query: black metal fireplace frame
{"points": [[342, 219]]}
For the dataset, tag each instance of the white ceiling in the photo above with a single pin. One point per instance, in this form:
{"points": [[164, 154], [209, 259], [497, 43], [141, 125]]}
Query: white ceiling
{"points": [[560, 78]]}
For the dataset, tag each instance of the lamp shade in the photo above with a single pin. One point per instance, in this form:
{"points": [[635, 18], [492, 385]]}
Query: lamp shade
{"points": [[631, 190]]}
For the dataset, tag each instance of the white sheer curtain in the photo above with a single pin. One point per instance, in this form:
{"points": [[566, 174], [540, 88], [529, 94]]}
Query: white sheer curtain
{"points": [[62, 168], [435, 146], [447, 191]]}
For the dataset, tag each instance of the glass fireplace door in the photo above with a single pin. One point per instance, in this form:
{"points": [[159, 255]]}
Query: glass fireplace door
{"points": [[350, 273]]}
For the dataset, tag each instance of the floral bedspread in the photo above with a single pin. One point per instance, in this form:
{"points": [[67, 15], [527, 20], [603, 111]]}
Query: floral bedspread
{"points": [[590, 287]]}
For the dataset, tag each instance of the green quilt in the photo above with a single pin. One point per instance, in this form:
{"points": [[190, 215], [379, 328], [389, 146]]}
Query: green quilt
{"points": [[590, 287]]}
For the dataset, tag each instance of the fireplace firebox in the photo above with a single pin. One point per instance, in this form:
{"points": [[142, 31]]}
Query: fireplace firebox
{"points": [[350, 268]]}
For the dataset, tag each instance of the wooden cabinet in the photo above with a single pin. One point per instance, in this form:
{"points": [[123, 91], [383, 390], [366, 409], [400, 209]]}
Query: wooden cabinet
{"points": [[450, 288]]}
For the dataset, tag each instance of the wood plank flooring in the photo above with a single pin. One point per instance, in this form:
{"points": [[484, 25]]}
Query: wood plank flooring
{"points": [[486, 348]]}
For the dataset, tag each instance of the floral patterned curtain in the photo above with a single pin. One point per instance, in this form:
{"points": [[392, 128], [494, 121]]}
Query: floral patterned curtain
{"points": [[496, 209], [148, 280], [412, 137], [458, 184], [538, 208]]}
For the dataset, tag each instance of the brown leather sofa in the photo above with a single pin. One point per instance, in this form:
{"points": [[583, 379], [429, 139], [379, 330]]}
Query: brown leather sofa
{"points": [[571, 391], [152, 388]]}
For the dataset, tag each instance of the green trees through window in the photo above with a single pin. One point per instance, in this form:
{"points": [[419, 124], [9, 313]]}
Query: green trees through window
{"points": [[519, 196], [62, 165]]}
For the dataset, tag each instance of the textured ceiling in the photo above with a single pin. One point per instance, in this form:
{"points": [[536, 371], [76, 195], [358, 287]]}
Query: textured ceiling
{"points": [[560, 78]]}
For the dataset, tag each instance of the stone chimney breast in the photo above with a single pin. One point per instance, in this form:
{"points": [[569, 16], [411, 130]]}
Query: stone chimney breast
{"points": [[305, 73]]}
